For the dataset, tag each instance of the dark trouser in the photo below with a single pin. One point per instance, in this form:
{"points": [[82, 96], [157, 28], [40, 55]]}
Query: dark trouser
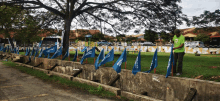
{"points": [[179, 57]]}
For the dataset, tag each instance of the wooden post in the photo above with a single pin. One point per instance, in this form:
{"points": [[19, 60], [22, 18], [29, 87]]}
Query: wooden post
{"points": [[154, 70], [94, 60], [172, 69], [86, 60], [69, 58], [113, 63], [104, 65], [77, 59], [125, 64], [61, 57]]}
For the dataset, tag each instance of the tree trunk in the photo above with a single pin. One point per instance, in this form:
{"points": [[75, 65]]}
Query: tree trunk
{"points": [[66, 36]]}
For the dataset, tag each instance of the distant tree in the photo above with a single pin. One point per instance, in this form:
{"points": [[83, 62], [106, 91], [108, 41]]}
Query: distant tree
{"points": [[165, 36], [98, 36], [150, 35], [202, 37]]}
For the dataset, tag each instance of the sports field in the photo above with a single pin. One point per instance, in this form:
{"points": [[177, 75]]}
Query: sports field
{"points": [[205, 67]]}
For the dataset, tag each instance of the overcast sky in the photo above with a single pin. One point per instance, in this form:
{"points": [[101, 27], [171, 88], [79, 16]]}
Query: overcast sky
{"points": [[197, 7]]}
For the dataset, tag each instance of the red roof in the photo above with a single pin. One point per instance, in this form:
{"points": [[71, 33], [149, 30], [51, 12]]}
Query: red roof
{"points": [[215, 36]]}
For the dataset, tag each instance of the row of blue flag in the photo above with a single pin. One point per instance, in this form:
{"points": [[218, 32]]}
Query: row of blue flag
{"points": [[91, 54]]}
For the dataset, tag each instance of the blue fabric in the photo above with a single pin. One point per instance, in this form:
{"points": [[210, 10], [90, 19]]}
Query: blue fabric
{"points": [[171, 59], [18, 50], [57, 53], [75, 56], [154, 62], [101, 56], [84, 49], [121, 59], [109, 57], [137, 64], [66, 54], [50, 50], [89, 54], [32, 53], [40, 43], [37, 50], [41, 52]]}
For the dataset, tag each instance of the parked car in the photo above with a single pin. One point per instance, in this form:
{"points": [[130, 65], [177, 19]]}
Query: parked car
{"points": [[187, 44], [147, 44], [105, 43], [194, 44]]}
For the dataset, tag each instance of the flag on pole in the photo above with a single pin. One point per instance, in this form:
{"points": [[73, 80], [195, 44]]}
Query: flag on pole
{"points": [[153, 62], [32, 51], [90, 53], [27, 51], [75, 56], [84, 49], [137, 64], [4, 50], [37, 50], [57, 53], [171, 60], [52, 49], [41, 52], [109, 57], [17, 50], [101, 56], [66, 54], [121, 59]]}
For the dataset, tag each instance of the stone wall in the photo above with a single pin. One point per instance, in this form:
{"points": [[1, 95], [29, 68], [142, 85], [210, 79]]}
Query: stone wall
{"points": [[152, 85]]}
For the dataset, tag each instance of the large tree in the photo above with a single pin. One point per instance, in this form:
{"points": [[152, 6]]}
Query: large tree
{"points": [[207, 19], [121, 15], [150, 35]]}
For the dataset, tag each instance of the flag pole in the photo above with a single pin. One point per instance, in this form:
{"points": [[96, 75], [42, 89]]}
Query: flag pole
{"points": [[94, 60], [125, 64], [172, 68], [155, 68]]}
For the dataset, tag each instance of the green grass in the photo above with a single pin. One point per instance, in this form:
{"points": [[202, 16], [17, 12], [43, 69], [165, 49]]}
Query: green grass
{"points": [[193, 66], [56, 79]]}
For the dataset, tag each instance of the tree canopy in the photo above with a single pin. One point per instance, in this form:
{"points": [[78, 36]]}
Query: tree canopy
{"points": [[120, 15]]}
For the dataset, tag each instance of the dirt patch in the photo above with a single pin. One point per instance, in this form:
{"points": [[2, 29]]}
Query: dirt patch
{"points": [[214, 67]]}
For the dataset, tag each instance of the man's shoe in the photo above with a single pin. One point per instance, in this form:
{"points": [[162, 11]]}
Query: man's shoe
{"points": [[178, 74]]}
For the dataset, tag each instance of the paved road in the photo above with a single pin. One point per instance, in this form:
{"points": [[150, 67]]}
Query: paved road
{"points": [[15, 85]]}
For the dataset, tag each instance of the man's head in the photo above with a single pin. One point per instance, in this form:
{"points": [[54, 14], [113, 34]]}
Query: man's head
{"points": [[177, 32]]}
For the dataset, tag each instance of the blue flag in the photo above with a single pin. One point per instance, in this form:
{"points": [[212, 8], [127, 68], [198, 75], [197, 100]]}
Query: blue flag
{"points": [[4, 50], [171, 60], [66, 54], [8, 48], [57, 53], [101, 56], [28, 51], [122, 58], [32, 53], [40, 43], [15, 50], [84, 49], [109, 57], [153, 62], [50, 50], [41, 52], [137, 64], [90, 53], [18, 50], [75, 56], [37, 50]]}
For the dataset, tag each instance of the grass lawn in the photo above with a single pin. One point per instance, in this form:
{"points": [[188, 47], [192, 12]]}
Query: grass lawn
{"points": [[206, 65]]}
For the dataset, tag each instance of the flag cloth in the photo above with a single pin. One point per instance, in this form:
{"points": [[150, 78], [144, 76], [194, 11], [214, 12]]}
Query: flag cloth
{"points": [[171, 60], [40, 43], [17, 50], [50, 50], [57, 53], [75, 56], [32, 51], [84, 49], [8, 48], [117, 65], [66, 54], [101, 56], [28, 51], [37, 50], [153, 62], [41, 52], [90, 53], [137, 64], [4, 50], [109, 57]]}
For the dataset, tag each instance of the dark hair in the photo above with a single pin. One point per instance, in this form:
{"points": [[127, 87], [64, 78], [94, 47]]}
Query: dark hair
{"points": [[176, 31]]}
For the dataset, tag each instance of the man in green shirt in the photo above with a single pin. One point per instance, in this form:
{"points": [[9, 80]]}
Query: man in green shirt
{"points": [[179, 51]]}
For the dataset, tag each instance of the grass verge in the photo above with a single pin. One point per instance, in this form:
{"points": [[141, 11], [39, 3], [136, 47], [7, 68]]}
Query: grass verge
{"points": [[56, 79]]}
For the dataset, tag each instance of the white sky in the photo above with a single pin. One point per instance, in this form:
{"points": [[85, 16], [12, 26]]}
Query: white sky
{"points": [[197, 7]]}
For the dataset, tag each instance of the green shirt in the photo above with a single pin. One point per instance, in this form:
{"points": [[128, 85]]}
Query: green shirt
{"points": [[177, 42]]}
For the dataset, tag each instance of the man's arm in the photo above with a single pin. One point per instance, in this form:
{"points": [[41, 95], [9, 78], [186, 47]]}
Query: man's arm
{"points": [[180, 46]]}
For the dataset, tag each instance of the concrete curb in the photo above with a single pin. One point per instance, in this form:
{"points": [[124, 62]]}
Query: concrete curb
{"points": [[115, 90], [43, 70], [137, 97], [69, 77]]}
